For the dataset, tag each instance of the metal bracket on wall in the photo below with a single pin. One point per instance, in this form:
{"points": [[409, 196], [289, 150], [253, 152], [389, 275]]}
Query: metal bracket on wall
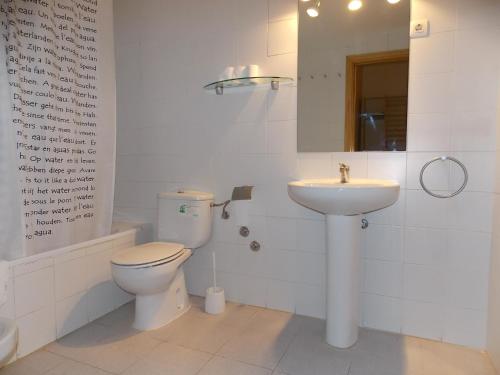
{"points": [[225, 214]]}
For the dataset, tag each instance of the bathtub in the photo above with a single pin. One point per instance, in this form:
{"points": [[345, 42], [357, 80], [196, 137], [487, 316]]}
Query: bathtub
{"points": [[56, 292]]}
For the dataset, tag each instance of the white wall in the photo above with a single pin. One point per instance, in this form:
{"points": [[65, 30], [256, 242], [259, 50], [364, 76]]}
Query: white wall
{"points": [[425, 260], [493, 344]]}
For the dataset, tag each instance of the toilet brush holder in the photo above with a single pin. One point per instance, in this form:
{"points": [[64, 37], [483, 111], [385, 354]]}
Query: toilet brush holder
{"points": [[215, 301]]}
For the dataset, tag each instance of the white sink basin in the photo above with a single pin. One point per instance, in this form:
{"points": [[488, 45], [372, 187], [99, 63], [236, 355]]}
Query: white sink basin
{"points": [[331, 197]]}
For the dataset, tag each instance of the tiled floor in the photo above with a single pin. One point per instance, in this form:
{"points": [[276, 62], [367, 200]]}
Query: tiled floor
{"points": [[245, 340]]}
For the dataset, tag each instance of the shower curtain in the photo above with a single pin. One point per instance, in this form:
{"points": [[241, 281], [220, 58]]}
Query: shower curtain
{"points": [[57, 123]]}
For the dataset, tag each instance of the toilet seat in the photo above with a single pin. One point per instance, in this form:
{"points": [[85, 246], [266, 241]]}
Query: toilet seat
{"points": [[148, 255]]}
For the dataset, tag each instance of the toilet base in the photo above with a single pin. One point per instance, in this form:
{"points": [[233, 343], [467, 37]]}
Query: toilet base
{"points": [[153, 311]]}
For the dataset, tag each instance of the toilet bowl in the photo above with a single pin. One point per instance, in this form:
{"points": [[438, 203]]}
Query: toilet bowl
{"points": [[8, 340], [153, 271]]}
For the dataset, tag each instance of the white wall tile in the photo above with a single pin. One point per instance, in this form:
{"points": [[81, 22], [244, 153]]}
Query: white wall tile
{"points": [[471, 211], [382, 278], [480, 168], [36, 330], [474, 91], [315, 165], [429, 132], [252, 290], [423, 320], [282, 37], [310, 268], [465, 327], [71, 277], [430, 93], [434, 54], [282, 137], [388, 165], [422, 210], [426, 246], [282, 104], [311, 235], [281, 233], [423, 283], [392, 215], [34, 291], [380, 312], [383, 242], [71, 314], [280, 295], [310, 300], [282, 9], [481, 13], [100, 300], [30, 266], [473, 131]]}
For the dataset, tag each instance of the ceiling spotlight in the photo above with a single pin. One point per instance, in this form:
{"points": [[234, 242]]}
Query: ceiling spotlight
{"points": [[313, 10], [355, 5], [389, 1]]}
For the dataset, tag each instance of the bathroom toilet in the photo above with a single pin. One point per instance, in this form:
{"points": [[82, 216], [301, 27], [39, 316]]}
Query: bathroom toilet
{"points": [[153, 271], [8, 340]]}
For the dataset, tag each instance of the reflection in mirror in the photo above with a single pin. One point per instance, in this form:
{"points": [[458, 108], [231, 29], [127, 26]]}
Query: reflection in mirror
{"points": [[353, 75]]}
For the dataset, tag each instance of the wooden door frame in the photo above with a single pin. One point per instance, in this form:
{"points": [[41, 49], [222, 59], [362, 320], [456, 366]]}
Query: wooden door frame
{"points": [[354, 63]]}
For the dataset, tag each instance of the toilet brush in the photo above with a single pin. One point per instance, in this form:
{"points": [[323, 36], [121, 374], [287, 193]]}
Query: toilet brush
{"points": [[215, 301]]}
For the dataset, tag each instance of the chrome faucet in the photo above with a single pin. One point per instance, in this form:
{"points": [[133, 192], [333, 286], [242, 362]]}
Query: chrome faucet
{"points": [[344, 173]]}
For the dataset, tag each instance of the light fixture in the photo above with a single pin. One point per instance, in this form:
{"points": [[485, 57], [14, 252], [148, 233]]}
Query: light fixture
{"points": [[355, 5], [313, 10], [393, 1]]}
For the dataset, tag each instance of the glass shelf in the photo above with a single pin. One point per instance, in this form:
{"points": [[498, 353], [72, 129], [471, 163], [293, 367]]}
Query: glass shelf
{"points": [[219, 86]]}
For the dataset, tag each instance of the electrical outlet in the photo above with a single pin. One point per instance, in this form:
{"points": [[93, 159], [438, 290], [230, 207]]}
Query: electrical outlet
{"points": [[419, 29]]}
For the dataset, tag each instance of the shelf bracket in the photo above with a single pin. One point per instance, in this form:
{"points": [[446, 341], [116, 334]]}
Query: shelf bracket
{"points": [[219, 89], [275, 85]]}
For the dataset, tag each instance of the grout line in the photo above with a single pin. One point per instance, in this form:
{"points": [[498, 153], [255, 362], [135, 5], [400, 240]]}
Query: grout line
{"points": [[289, 344]]}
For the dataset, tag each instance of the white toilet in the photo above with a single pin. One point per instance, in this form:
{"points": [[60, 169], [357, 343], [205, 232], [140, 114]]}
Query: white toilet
{"points": [[153, 271]]}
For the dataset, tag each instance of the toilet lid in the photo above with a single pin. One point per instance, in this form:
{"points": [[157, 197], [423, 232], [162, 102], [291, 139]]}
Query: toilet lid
{"points": [[148, 253]]}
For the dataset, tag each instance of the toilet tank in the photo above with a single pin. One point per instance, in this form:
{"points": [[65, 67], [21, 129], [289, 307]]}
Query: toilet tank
{"points": [[185, 217]]}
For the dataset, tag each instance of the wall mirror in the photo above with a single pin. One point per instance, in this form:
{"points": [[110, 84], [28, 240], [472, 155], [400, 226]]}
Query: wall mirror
{"points": [[353, 75]]}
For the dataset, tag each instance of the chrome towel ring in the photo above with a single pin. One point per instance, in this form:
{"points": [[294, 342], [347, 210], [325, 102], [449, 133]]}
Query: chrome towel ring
{"points": [[444, 158]]}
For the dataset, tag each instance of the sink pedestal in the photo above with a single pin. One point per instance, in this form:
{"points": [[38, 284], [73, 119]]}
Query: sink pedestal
{"points": [[343, 275]]}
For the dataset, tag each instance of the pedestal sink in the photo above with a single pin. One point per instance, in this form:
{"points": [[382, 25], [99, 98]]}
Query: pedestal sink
{"points": [[343, 203]]}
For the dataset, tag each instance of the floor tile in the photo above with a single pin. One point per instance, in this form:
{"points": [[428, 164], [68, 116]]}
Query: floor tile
{"points": [[264, 341], [246, 341], [70, 367], [123, 316], [167, 359], [112, 349], [310, 354], [201, 331], [225, 366], [446, 359], [36, 363]]}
